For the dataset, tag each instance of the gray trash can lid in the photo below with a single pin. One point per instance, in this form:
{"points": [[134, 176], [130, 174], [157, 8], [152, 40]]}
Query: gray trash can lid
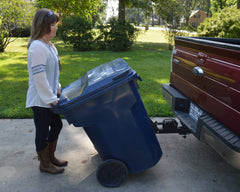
{"points": [[98, 79]]}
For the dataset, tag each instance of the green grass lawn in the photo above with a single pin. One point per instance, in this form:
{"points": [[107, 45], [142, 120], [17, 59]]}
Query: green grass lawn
{"points": [[149, 56]]}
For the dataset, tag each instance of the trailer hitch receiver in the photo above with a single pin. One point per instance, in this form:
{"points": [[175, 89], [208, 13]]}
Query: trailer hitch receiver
{"points": [[169, 126]]}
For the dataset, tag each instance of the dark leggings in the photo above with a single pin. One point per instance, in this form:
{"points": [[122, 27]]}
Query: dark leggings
{"points": [[48, 126]]}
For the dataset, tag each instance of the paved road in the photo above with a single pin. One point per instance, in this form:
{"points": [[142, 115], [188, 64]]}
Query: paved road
{"points": [[186, 165]]}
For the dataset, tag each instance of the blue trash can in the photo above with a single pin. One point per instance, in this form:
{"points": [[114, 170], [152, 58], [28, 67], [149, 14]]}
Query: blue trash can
{"points": [[106, 103]]}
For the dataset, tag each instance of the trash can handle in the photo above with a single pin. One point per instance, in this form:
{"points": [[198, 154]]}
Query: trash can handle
{"points": [[55, 109], [139, 78], [121, 75]]}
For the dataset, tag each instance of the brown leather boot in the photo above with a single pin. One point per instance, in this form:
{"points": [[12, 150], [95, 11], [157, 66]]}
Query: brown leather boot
{"points": [[45, 163], [53, 159]]}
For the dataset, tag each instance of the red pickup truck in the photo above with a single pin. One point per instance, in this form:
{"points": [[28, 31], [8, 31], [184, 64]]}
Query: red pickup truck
{"points": [[204, 92]]}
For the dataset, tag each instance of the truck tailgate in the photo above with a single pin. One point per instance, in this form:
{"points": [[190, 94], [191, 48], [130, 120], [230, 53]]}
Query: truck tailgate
{"points": [[209, 74]]}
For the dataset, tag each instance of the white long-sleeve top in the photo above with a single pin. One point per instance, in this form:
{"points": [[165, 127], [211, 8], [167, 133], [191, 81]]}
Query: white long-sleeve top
{"points": [[43, 72]]}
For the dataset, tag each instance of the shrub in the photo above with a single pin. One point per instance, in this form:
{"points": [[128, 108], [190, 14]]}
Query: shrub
{"points": [[121, 35], [115, 36], [21, 32], [78, 32], [102, 39], [225, 23], [118, 35]]}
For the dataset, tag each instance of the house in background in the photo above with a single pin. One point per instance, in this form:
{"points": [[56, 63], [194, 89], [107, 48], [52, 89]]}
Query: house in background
{"points": [[196, 18]]}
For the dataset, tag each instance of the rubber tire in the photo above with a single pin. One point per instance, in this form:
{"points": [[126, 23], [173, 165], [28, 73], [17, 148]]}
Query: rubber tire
{"points": [[112, 173]]}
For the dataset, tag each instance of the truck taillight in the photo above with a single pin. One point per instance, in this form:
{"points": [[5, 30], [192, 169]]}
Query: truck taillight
{"points": [[173, 53]]}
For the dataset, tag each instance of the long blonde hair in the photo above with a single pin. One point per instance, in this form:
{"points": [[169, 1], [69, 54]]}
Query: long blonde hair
{"points": [[41, 24]]}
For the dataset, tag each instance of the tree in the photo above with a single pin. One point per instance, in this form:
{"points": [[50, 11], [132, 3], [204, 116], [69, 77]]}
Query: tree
{"points": [[13, 14], [144, 4], [188, 6], [101, 13], [223, 24], [221, 4], [206, 6], [135, 15], [84, 8], [173, 10]]}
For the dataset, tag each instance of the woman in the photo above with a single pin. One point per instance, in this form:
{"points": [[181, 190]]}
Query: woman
{"points": [[43, 68]]}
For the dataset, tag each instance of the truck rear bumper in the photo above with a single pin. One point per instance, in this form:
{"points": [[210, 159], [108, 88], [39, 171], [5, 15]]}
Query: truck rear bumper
{"points": [[206, 128]]}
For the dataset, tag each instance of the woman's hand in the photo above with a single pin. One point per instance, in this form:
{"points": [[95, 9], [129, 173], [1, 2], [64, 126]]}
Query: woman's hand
{"points": [[59, 93], [54, 103]]}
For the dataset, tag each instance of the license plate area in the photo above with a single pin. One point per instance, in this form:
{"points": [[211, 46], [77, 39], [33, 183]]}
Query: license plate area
{"points": [[195, 112]]}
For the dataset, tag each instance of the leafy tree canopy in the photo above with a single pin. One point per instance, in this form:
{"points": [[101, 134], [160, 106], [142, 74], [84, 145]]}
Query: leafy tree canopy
{"points": [[221, 4], [224, 23], [13, 14], [174, 10], [146, 5], [84, 8]]}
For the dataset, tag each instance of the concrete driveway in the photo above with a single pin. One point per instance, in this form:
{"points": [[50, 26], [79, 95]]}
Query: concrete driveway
{"points": [[186, 165]]}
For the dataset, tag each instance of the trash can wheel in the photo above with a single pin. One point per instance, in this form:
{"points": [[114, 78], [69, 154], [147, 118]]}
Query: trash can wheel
{"points": [[112, 173]]}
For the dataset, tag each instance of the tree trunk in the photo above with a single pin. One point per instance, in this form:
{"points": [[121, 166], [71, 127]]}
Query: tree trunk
{"points": [[138, 18], [152, 20], [2, 49], [121, 10], [1, 46]]}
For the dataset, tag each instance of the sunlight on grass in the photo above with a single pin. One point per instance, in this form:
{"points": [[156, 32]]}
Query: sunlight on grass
{"points": [[19, 45], [154, 36], [149, 57], [162, 81]]}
